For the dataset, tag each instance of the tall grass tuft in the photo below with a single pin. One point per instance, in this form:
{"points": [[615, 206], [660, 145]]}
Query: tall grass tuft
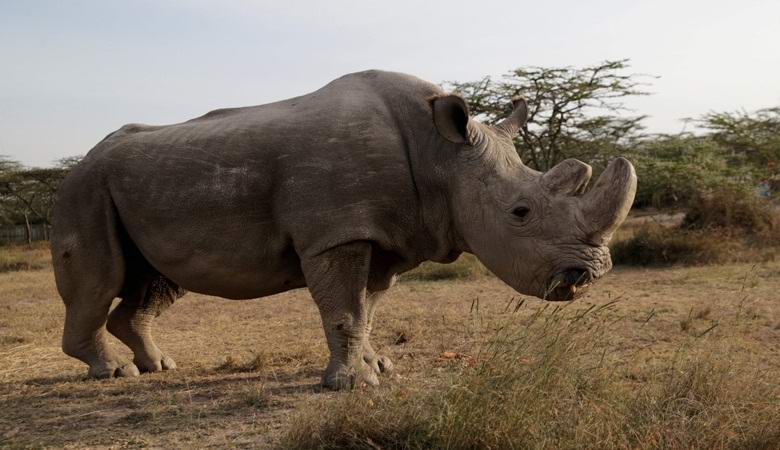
{"points": [[552, 379]]}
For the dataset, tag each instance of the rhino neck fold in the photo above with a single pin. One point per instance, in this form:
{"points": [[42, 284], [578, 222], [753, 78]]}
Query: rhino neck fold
{"points": [[439, 239]]}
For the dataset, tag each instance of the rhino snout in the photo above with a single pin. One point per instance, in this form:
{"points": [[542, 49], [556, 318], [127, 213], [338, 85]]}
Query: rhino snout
{"points": [[568, 284]]}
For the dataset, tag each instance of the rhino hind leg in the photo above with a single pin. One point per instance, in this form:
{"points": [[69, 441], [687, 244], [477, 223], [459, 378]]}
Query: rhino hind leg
{"points": [[90, 269], [85, 338], [144, 298], [339, 280]]}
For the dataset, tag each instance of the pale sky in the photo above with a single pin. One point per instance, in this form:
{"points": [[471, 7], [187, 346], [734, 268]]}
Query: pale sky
{"points": [[73, 71]]}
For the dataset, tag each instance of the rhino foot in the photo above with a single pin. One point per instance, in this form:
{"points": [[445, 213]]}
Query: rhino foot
{"points": [[150, 365], [113, 370], [349, 377], [379, 364], [366, 371], [385, 364]]}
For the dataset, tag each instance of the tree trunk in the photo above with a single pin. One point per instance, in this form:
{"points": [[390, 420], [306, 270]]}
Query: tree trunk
{"points": [[28, 229]]}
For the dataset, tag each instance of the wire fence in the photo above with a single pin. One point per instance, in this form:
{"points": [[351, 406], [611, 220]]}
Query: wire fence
{"points": [[20, 233]]}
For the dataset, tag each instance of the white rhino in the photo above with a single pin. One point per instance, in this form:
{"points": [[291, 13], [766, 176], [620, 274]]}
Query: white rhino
{"points": [[338, 190]]}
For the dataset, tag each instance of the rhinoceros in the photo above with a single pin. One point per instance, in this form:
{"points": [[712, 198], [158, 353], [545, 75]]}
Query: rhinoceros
{"points": [[339, 190]]}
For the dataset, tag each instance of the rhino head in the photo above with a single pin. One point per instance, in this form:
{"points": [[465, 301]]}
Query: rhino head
{"points": [[544, 234]]}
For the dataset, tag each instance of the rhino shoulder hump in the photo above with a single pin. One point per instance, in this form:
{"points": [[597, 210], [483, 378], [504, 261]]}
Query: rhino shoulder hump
{"points": [[132, 128], [221, 112]]}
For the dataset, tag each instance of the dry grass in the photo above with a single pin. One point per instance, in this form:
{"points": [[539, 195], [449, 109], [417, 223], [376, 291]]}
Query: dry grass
{"points": [[624, 375], [24, 257], [550, 384]]}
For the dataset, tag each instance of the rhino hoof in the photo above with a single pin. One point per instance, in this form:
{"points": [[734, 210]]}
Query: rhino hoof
{"points": [[113, 371], [164, 363], [379, 364], [168, 363], [385, 365], [348, 379]]}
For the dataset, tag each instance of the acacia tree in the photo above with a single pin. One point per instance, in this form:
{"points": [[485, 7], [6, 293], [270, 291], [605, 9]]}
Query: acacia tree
{"points": [[752, 138], [573, 112], [27, 195], [7, 203]]}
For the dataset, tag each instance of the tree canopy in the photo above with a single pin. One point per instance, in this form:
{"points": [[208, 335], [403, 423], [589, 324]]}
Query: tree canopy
{"points": [[573, 112], [751, 138], [27, 195]]}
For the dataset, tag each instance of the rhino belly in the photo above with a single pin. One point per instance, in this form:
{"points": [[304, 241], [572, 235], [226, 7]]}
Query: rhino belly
{"points": [[222, 262], [225, 246]]}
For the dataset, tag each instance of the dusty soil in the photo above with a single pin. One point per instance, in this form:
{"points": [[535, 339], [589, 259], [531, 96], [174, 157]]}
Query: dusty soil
{"points": [[247, 368]]}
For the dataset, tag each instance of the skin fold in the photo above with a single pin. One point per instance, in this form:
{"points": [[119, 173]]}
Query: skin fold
{"points": [[339, 191]]}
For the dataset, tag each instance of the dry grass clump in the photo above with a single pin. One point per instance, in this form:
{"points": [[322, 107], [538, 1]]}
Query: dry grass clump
{"points": [[24, 257], [263, 361], [464, 268], [698, 403], [548, 381], [232, 365]]}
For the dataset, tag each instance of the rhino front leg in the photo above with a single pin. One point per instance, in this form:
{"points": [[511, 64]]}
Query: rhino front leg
{"points": [[379, 363], [337, 280]]}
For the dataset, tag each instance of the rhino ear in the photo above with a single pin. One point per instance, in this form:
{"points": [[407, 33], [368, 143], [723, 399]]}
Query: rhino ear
{"points": [[451, 117]]}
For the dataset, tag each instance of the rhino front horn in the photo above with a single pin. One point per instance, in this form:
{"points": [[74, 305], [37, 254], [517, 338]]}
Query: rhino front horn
{"points": [[517, 119], [606, 205]]}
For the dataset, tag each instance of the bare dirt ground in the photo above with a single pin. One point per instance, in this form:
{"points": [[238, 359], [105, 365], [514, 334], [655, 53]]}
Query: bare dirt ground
{"points": [[248, 368]]}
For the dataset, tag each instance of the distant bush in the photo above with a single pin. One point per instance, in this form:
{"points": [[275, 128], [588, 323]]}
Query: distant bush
{"points": [[654, 245], [729, 208]]}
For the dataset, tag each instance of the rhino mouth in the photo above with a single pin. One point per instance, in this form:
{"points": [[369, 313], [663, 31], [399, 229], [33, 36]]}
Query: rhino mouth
{"points": [[567, 285]]}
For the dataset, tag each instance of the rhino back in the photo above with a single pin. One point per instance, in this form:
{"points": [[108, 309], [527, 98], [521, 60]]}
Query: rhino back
{"points": [[226, 203]]}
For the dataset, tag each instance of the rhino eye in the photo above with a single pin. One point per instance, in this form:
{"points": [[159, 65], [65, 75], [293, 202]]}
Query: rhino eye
{"points": [[520, 211]]}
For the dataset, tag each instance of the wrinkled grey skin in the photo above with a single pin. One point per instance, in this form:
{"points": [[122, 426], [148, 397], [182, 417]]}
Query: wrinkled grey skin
{"points": [[338, 190]]}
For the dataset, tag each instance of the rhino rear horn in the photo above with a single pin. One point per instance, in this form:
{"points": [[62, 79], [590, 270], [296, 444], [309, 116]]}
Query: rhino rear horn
{"points": [[512, 124], [606, 205], [568, 177]]}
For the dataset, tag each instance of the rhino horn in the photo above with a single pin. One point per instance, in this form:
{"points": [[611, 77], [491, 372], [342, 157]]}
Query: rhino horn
{"points": [[569, 177], [512, 124], [606, 205]]}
